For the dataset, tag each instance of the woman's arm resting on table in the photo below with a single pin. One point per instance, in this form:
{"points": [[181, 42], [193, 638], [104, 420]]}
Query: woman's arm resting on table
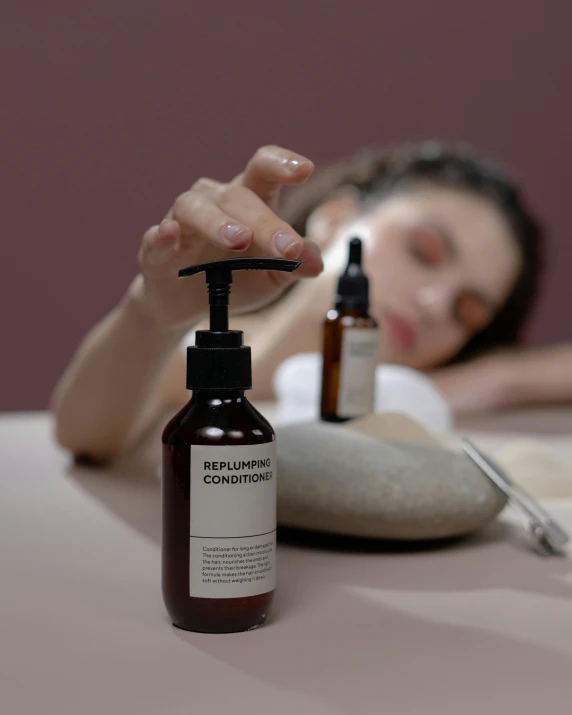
{"points": [[525, 376], [126, 371]]}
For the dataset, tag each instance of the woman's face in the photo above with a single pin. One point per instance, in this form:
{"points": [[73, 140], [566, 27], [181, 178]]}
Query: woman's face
{"points": [[440, 262]]}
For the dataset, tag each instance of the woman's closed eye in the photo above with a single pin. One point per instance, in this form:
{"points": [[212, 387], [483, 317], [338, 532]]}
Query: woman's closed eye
{"points": [[429, 245]]}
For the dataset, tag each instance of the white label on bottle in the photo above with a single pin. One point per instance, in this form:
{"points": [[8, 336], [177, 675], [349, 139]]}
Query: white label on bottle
{"points": [[233, 521], [359, 356]]}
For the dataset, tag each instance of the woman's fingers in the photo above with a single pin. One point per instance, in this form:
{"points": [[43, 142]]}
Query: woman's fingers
{"points": [[272, 167], [312, 263], [239, 217], [160, 244], [197, 214], [272, 236], [232, 217]]}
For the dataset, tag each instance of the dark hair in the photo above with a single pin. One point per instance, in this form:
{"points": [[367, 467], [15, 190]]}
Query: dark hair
{"points": [[376, 174]]}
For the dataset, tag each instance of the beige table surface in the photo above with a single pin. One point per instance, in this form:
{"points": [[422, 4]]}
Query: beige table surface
{"points": [[482, 626]]}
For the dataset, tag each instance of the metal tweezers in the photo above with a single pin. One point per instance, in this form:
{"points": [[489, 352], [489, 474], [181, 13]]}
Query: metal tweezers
{"points": [[549, 536]]}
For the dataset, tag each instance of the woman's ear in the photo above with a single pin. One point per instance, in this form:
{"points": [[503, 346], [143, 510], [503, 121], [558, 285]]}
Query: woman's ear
{"points": [[325, 220]]}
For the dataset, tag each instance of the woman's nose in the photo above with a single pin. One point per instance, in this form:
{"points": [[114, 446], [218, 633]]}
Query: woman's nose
{"points": [[435, 300]]}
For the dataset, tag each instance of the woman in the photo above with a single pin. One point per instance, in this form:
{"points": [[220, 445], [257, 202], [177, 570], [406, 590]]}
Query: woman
{"points": [[453, 259]]}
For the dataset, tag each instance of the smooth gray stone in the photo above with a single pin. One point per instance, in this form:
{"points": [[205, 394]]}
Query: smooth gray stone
{"points": [[334, 480]]}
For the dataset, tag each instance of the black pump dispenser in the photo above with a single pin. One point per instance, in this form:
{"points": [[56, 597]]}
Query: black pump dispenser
{"points": [[219, 360], [353, 284]]}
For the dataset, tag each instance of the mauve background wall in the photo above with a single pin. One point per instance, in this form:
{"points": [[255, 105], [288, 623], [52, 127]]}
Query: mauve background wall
{"points": [[109, 109]]}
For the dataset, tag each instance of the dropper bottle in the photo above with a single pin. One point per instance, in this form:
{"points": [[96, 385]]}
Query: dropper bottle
{"points": [[219, 478], [350, 347]]}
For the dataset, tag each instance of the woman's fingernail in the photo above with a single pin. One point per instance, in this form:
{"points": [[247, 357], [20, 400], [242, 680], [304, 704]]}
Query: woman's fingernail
{"points": [[236, 234], [288, 244], [297, 164], [166, 224]]}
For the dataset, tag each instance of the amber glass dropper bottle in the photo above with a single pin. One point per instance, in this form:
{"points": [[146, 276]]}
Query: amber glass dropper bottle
{"points": [[350, 347], [219, 478]]}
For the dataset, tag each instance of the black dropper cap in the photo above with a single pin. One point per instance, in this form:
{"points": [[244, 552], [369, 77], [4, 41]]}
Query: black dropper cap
{"points": [[353, 285], [219, 360]]}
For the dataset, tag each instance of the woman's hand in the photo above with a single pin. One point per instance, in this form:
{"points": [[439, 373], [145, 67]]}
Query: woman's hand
{"points": [[214, 220]]}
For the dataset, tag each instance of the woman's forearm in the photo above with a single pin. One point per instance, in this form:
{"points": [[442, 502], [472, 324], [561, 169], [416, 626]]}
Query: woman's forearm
{"points": [[509, 379], [115, 383], [539, 375]]}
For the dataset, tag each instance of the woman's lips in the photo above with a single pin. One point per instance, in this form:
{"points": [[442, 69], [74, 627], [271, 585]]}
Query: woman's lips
{"points": [[400, 330]]}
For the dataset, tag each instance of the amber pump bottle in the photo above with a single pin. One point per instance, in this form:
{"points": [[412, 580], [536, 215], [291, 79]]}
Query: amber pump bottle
{"points": [[350, 347], [219, 478]]}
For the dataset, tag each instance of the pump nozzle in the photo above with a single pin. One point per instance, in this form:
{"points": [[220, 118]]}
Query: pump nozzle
{"points": [[219, 278], [241, 264], [219, 360]]}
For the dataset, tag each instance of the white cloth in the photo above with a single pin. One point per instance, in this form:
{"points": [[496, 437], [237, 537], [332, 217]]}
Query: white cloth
{"points": [[397, 389], [188, 339]]}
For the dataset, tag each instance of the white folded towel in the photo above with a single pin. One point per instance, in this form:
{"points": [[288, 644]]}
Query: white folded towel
{"points": [[297, 384]]}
